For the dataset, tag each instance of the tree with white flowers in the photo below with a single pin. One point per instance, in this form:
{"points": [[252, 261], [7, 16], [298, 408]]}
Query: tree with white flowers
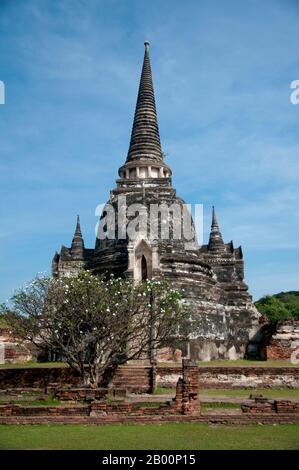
{"points": [[96, 323]]}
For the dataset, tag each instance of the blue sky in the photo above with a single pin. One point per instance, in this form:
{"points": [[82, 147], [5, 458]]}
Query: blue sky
{"points": [[222, 72]]}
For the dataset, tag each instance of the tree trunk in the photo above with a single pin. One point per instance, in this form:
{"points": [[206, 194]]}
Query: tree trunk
{"points": [[86, 379], [108, 375]]}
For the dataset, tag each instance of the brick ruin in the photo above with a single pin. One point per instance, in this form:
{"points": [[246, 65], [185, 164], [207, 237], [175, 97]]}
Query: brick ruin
{"points": [[284, 342], [264, 405], [186, 401], [186, 397], [12, 351], [95, 408]]}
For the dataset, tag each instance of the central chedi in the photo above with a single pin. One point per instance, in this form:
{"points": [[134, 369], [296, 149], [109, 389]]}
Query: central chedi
{"points": [[160, 242]]}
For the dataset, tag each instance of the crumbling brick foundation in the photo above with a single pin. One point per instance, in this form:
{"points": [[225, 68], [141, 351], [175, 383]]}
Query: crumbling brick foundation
{"points": [[263, 405], [185, 401]]}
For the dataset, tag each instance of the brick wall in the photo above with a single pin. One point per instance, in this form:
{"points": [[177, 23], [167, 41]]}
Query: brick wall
{"points": [[139, 379], [134, 379]]}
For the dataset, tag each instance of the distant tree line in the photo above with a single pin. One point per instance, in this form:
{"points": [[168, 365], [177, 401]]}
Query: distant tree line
{"points": [[279, 307]]}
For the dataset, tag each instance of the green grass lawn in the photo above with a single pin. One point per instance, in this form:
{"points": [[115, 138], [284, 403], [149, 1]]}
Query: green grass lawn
{"points": [[32, 364], [239, 362], [289, 393], [219, 405], [165, 391], [178, 436], [49, 402]]}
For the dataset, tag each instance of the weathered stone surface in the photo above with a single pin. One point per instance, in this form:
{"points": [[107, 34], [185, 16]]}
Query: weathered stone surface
{"points": [[235, 377], [211, 276]]}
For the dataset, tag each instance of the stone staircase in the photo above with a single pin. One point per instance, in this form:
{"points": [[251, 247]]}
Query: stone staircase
{"points": [[136, 379]]}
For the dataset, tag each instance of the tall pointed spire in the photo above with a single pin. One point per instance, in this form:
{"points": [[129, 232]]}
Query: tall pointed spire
{"points": [[145, 158], [145, 138], [216, 243], [77, 247]]}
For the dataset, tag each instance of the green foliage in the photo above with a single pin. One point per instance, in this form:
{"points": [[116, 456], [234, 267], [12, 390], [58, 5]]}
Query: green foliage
{"points": [[273, 309], [3, 321], [279, 307], [291, 301]]}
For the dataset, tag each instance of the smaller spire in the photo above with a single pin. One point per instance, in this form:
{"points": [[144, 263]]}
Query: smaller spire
{"points": [[55, 262], [214, 219], [78, 228], [77, 247], [216, 243]]}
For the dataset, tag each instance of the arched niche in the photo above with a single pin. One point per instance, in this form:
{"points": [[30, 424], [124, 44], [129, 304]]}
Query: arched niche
{"points": [[143, 262]]}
